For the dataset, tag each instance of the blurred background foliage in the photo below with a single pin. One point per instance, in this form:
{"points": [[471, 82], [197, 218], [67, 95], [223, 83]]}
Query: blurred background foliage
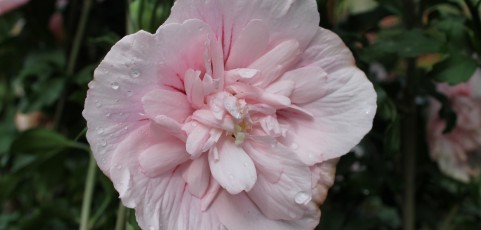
{"points": [[49, 49]]}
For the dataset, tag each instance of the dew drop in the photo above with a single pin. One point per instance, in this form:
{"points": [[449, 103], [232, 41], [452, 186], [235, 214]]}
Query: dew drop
{"points": [[115, 85], [107, 114], [292, 214], [104, 143], [294, 146], [302, 198], [135, 73], [98, 105], [129, 93], [194, 124], [100, 131]]}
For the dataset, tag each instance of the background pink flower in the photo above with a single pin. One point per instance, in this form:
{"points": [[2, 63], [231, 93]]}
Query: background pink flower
{"points": [[8, 5], [229, 116], [458, 153]]}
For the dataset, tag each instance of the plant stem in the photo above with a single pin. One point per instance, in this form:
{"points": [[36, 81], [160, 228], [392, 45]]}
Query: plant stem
{"points": [[88, 192], [120, 223], [410, 128], [72, 60], [410, 143], [446, 224]]}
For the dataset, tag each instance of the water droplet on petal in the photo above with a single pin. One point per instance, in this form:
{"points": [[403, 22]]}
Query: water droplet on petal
{"points": [[107, 114], [129, 93], [115, 85], [98, 105], [294, 146], [100, 131], [104, 143], [302, 198], [194, 124], [135, 73], [292, 214]]}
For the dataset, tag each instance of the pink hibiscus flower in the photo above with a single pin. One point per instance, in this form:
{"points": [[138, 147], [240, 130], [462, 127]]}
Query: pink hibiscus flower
{"points": [[8, 5], [230, 116], [458, 153]]}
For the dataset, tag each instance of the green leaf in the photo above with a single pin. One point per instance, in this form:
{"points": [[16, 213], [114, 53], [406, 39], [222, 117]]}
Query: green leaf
{"points": [[393, 136], [454, 69], [405, 44], [39, 141]]}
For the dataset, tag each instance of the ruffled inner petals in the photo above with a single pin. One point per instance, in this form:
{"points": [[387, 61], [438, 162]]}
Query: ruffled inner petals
{"points": [[232, 168]]}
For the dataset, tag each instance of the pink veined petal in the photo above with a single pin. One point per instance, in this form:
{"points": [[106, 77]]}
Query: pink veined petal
{"points": [[208, 118], [131, 69], [282, 87], [288, 196], [308, 81], [238, 212], [162, 157], [193, 88], [327, 51], [210, 194], [170, 103], [228, 18], [167, 125], [273, 63], [197, 139], [8, 5], [161, 202], [197, 176], [235, 75], [341, 117], [233, 169], [249, 45]]}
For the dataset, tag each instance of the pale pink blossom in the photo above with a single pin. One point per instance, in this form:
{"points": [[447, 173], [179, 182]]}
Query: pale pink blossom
{"points": [[8, 5], [230, 116], [458, 153], [55, 25]]}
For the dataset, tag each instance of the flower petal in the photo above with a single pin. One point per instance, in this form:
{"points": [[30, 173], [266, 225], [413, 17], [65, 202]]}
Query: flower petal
{"points": [[238, 212], [228, 18], [249, 45], [193, 88], [130, 70], [8, 5], [161, 202], [287, 196], [233, 168], [197, 176], [275, 62], [341, 117], [327, 51], [162, 157], [197, 139], [170, 103], [307, 80]]}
